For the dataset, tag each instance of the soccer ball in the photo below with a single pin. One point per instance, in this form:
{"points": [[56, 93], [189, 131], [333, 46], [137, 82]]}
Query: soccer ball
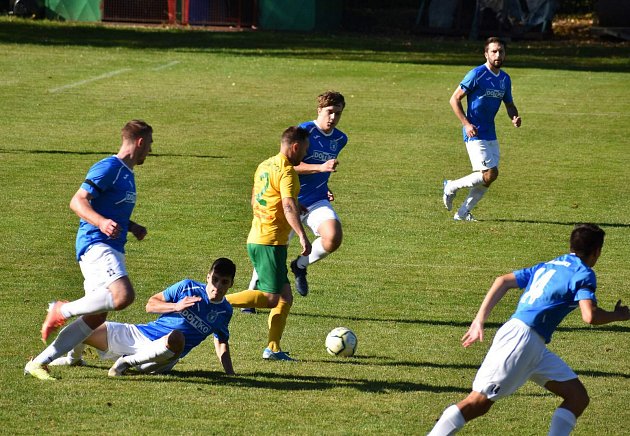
{"points": [[341, 341]]}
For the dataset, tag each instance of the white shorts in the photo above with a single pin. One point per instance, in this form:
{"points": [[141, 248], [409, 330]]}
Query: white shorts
{"points": [[101, 265], [518, 354], [125, 339], [483, 154], [317, 213]]}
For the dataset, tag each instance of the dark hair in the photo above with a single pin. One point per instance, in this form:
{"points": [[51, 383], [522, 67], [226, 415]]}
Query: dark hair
{"points": [[294, 134], [224, 267], [135, 129], [493, 39], [586, 239], [330, 98]]}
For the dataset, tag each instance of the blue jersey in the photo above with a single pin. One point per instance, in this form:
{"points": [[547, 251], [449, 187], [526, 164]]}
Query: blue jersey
{"points": [[322, 147], [196, 322], [552, 290], [112, 186], [484, 92]]}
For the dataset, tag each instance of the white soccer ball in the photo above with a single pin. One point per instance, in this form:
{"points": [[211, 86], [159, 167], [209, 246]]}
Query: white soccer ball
{"points": [[341, 341]]}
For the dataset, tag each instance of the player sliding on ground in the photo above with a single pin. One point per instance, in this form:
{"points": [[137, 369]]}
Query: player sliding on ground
{"points": [[518, 353], [190, 311]]}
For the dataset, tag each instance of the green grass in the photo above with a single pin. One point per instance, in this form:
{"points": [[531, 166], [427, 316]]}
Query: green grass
{"points": [[407, 279]]}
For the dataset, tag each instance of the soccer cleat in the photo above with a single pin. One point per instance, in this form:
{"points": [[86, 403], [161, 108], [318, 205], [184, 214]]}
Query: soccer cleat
{"points": [[276, 355], [119, 367], [447, 198], [38, 370], [467, 217], [249, 310], [300, 278], [66, 361], [53, 320]]}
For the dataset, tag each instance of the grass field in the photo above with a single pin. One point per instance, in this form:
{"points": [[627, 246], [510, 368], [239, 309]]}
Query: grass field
{"points": [[407, 279]]}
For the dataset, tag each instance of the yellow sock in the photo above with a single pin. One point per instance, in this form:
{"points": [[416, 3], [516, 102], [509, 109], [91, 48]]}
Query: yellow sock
{"points": [[277, 322], [249, 298]]}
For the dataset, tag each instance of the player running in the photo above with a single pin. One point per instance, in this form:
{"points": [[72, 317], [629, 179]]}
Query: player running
{"points": [[518, 353]]}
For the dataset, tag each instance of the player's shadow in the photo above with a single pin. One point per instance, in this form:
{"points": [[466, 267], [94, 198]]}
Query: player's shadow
{"points": [[450, 323], [559, 223], [108, 153], [293, 382]]}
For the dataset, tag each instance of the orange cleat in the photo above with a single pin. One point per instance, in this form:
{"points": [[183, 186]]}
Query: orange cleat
{"points": [[53, 320]]}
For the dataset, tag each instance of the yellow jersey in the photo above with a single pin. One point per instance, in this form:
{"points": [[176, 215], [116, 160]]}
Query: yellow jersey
{"points": [[275, 179]]}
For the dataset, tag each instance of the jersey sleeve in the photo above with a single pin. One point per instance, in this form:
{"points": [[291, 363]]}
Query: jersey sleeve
{"points": [[585, 286], [222, 333], [523, 276], [172, 294], [98, 178], [289, 184], [507, 97], [469, 82]]}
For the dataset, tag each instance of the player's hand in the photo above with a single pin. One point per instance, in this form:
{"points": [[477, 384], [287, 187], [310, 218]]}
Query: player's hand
{"points": [[330, 166], [109, 228], [186, 302], [331, 196], [138, 231], [622, 311], [474, 333], [516, 120], [306, 246], [471, 130]]}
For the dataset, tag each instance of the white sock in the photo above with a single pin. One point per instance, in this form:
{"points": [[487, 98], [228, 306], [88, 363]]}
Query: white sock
{"points": [[254, 280], [562, 422], [472, 179], [68, 338], [76, 353], [449, 423], [156, 351], [473, 198], [156, 367], [95, 302], [317, 253]]}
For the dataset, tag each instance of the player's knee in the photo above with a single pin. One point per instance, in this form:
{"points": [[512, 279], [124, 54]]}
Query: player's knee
{"points": [[490, 176], [578, 402], [175, 341], [122, 300]]}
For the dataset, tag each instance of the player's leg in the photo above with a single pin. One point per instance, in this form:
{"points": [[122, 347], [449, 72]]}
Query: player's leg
{"points": [[456, 416], [106, 284], [158, 352], [326, 225], [277, 322], [69, 337], [557, 377], [484, 158], [253, 284]]}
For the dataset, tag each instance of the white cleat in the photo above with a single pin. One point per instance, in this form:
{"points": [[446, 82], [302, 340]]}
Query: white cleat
{"points": [[447, 198], [467, 217]]}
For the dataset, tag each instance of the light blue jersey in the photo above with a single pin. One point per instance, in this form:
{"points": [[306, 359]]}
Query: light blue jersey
{"points": [[196, 322], [484, 92], [322, 147], [552, 290], [112, 185]]}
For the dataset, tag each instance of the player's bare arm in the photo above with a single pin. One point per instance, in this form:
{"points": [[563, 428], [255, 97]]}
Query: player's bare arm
{"points": [[80, 204], [594, 315], [458, 109], [498, 289], [292, 214], [158, 304], [330, 166], [512, 112], [223, 353]]}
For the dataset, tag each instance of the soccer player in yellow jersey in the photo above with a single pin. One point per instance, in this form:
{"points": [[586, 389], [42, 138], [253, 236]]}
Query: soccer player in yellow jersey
{"points": [[276, 213]]}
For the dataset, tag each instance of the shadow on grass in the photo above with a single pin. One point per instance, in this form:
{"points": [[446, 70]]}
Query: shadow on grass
{"points": [[563, 55], [571, 224], [293, 382], [458, 324], [107, 153]]}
